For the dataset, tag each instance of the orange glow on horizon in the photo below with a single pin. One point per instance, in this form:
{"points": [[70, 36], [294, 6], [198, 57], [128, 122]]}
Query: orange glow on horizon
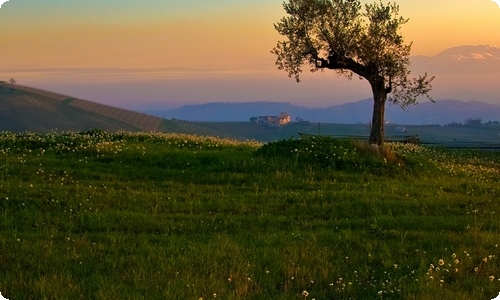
{"points": [[229, 38]]}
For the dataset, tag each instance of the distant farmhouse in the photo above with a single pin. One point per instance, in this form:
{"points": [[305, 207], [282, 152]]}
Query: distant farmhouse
{"points": [[272, 121]]}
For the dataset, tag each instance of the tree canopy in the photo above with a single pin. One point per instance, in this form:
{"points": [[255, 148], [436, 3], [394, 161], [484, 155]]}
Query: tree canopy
{"points": [[338, 35]]}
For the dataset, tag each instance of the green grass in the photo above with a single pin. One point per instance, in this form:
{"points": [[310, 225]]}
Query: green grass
{"points": [[94, 215]]}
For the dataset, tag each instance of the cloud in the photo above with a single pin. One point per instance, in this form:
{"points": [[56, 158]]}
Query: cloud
{"points": [[2, 2]]}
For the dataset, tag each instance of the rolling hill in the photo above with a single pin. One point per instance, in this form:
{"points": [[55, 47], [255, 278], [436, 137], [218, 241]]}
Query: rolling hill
{"points": [[24, 108]]}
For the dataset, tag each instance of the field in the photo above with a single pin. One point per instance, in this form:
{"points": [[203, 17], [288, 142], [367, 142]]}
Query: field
{"points": [[431, 134], [95, 215]]}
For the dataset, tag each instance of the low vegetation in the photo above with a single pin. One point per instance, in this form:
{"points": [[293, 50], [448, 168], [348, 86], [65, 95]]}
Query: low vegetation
{"points": [[94, 215]]}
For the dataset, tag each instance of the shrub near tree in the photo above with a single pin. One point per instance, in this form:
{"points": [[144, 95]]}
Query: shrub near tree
{"points": [[337, 35]]}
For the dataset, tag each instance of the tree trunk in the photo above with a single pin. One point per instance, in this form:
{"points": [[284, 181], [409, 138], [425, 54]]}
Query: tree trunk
{"points": [[377, 126]]}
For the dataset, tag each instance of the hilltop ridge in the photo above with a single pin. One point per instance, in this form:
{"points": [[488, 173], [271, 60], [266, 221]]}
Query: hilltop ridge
{"points": [[25, 108]]}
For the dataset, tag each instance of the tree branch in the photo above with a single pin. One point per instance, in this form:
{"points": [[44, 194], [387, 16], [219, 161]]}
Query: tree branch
{"points": [[334, 63]]}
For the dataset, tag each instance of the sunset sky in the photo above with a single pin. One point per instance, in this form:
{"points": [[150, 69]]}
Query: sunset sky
{"points": [[202, 50]]}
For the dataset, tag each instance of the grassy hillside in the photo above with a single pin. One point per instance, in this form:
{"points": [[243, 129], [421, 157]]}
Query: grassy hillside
{"points": [[28, 109], [79, 110], [94, 215]]}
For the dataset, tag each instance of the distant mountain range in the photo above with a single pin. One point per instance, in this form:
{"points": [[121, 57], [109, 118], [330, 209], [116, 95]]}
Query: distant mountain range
{"points": [[441, 112], [465, 73], [486, 57]]}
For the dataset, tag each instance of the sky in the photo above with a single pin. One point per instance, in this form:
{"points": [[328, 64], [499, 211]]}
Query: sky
{"points": [[135, 53]]}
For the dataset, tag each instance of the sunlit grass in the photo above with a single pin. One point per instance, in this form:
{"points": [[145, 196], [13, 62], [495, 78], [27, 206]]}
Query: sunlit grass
{"points": [[95, 215]]}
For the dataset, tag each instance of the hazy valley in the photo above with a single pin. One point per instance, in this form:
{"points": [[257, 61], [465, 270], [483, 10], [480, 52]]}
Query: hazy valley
{"points": [[441, 112]]}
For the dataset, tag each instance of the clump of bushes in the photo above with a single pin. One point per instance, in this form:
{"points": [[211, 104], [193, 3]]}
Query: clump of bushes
{"points": [[334, 154]]}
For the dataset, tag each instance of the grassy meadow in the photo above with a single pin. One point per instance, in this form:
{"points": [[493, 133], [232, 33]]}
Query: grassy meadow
{"points": [[95, 215]]}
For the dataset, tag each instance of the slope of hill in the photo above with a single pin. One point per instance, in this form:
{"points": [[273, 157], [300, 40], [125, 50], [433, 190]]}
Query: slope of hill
{"points": [[28, 109], [21, 110]]}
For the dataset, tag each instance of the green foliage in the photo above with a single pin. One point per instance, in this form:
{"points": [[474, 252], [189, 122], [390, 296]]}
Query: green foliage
{"points": [[340, 36], [94, 215]]}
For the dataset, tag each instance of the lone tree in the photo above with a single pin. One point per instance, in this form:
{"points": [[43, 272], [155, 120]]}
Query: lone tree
{"points": [[337, 35], [12, 82]]}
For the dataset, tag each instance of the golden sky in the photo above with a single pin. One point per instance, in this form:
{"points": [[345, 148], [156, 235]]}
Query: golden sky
{"points": [[223, 34], [437, 25], [215, 38], [136, 34]]}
